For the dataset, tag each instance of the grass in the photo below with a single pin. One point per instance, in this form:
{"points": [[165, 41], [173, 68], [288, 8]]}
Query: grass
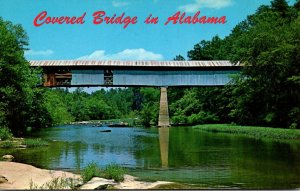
{"points": [[20, 143], [90, 171], [8, 141], [58, 183], [30, 143], [252, 131], [112, 171]]}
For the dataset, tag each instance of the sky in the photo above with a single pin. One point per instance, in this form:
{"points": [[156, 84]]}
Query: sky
{"points": [[111, 41]]}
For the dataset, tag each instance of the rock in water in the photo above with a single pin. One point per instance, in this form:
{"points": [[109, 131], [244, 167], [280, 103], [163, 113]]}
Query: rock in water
{"points": [[8, 157], [3, 179], [105, 131]]}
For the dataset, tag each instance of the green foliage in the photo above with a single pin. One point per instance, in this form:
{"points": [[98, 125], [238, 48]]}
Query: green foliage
{"points": [[208, 50], [90, 171], [179, 119], [30, 143], [20, 99], [150, 106], [269, 47], [114, 171], [5, 133], [56, 105], [16, 78], [196, 106], [280, 6], [81, 106], [179, 58]]}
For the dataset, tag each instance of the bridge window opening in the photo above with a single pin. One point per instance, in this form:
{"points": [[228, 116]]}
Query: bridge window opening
{"points": [[59, 78], [108, 77], [63, 78]]}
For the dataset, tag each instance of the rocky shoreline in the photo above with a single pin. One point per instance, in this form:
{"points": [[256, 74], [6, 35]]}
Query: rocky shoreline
{"points": [[23, 176]]}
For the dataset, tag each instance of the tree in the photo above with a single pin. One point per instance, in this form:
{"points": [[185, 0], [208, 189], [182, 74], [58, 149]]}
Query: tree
{"points": [[179, 58], [150, 106], [297, 5], [208, 50], [17, 80], [280, 6], [263, 94], [56, 104], [267, 90]]}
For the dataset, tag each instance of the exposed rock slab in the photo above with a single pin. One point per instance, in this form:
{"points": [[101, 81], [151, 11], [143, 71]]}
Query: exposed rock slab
{"points": [[97, 183], [130, 182], [20, 175]]}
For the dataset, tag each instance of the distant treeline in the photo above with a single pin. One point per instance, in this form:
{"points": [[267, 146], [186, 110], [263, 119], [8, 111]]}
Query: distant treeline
{"points": [[63, 106], [267, 93]]}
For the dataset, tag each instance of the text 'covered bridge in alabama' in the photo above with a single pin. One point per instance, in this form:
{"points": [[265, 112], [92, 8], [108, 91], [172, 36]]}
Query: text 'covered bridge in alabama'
{"points": [[86, 73]]}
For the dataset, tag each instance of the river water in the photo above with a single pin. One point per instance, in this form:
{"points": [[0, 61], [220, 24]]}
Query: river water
{"points": [[179, 154]]}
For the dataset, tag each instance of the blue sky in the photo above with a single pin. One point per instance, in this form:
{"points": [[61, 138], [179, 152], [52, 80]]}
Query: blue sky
{"points": [[136, 42]]}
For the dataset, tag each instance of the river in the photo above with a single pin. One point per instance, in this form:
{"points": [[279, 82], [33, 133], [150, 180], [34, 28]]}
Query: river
{"points": [[179, 154]]}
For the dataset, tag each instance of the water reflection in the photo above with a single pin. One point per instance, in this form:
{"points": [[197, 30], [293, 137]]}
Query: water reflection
{"points": [[163, 133]]}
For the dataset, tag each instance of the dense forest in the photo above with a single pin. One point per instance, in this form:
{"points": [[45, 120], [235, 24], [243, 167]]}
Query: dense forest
{"points": [[266, 93]]}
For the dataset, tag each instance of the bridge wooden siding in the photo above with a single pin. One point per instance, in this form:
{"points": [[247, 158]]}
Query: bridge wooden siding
{"points": [[68, 73]]}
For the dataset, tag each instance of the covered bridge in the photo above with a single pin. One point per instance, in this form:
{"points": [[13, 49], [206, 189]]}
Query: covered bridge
{"points": [[85, 73]]}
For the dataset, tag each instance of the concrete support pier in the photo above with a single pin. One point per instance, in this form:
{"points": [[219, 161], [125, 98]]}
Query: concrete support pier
{"points": [[163, 119]]}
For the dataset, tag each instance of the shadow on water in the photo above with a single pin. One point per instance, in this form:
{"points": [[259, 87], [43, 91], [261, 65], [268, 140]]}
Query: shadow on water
{"points": [[179, 154]]}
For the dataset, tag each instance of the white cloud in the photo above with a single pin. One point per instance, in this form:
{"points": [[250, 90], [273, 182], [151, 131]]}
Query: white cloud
{"points": [[39, 52], [128, 54], [120, 3], [213, 4]]}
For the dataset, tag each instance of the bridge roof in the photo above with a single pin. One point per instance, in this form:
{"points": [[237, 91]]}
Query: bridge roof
{"points": [[137, 63]]}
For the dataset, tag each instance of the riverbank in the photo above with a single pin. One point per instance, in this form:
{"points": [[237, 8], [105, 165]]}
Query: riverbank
{"points": [[22, 176], [124, 122], [253, 131]]}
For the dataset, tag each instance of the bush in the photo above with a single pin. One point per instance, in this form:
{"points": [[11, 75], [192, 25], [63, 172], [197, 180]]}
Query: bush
{"points": [[35, 143], [5, 133], [179, 119], [202, 118], [90, 171], [114, 171]]}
